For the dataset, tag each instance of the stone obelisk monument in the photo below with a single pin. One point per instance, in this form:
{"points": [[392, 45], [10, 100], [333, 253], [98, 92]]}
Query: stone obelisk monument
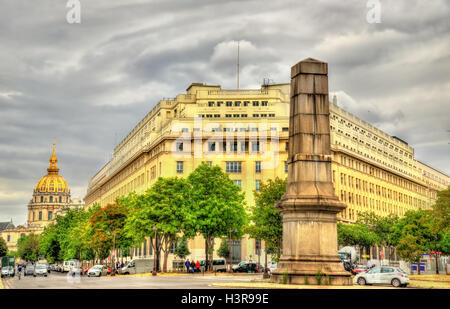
{"points": [[309, 206]]}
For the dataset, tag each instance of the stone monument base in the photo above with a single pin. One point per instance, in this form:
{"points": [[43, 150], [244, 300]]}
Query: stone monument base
{"points": [[309, 270]]}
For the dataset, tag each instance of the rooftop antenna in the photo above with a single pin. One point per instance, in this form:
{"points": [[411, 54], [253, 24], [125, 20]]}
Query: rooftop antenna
{"points": [[238, 67]]}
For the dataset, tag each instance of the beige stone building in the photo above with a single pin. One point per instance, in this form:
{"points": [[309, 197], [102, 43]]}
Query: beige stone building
{"points": [[245, 132]]}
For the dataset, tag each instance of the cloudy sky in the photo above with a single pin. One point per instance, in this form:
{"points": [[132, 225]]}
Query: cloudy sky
{"points": [[88, 84]]}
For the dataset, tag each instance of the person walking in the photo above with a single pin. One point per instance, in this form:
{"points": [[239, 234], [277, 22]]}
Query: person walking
{"points": [[193, 266], [197, 266], [187, 265]]}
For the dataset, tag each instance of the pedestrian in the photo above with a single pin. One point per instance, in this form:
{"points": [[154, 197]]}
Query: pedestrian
{"points": [[197, 266], [187, 265], [193, 266]]}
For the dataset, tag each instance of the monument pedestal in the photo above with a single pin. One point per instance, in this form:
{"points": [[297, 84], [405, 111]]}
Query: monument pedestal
{"points": [[310, 206]]}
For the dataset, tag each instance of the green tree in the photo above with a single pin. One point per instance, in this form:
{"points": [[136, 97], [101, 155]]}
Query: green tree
{"points": [[356, 234], [382, 227], [162, 206], [224, 250], [216, 206], [3, 247], [182, 250], [107, 229], [28, 247], [266, 220], [411, 235]]}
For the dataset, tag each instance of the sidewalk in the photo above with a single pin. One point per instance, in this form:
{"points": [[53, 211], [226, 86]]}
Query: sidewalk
{"points": [[1, 284], [269, 285]]}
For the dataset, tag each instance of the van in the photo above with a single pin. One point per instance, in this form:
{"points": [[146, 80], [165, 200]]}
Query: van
{"points": [[138, 266], [219, 265], [67, 265]]}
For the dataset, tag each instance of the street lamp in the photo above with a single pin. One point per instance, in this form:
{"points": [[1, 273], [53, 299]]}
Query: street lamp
{"points": [[154, 254], [231, 251]]}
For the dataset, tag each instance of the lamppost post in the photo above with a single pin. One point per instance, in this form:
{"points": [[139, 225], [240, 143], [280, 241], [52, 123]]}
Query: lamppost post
{"points": [[230, 262], [154, 254]]}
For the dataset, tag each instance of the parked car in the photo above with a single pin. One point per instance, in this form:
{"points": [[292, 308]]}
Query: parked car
{"points": [[219, 265], [97, 271], [6, 271], [247, 267], [58, 268], [359, 269], [40, 270], [67, 265], [29, 270], [383, 275]]}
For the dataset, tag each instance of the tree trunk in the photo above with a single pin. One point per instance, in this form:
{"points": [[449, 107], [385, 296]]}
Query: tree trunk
{"points": [[418, 267], [211, 245], [206, 254]]}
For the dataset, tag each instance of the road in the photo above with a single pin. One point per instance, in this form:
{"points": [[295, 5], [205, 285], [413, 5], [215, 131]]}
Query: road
{"points": [[62, 281]]}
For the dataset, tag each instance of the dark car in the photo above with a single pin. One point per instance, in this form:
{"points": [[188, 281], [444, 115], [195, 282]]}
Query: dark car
{"points": [[29, 270], [247, 267]]}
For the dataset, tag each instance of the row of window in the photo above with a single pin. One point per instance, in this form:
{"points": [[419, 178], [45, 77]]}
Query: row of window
{"points": [[231, 167], [379, 173], [237, 103], [51, 199], [235, 115], [49, 216]]}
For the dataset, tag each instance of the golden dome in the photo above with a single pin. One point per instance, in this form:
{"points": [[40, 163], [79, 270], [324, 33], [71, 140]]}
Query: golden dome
{"points": [[52, 182]]}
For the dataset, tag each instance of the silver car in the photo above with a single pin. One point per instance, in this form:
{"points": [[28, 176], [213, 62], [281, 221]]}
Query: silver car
{"points": [[97, 271], [40, 270], [383, 275]]}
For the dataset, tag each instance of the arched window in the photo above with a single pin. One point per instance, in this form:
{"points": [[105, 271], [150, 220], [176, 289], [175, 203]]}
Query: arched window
{"points": [[50, 215]]}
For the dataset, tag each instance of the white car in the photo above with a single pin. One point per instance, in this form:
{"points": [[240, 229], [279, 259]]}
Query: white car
{"points": [[383, 275], [97, 271], [40, 270]]}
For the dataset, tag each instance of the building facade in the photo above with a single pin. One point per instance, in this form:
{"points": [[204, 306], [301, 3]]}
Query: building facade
{"points": [[245, 132]]}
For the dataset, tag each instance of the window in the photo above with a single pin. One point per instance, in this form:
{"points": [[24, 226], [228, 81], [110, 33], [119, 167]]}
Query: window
{"points": [[9, 239], [285, 129], [263, 115], [271, 115], [263, 103], [42, 199], [180, 167], [228, 115], [246, 103], [233, 167], [255, 146], [40, 215], [238, 182], [234, 146], [255, 115], [179, 147], [210, 104], [286, 147], [237, 103], [216, 115], [60, 199], [258, 167], [50, 215], [211, 146], [285, 166], [255, 103], [244, 115], [51, 199], [257, 184], [229, 103], [219, 103], [235, 115]]}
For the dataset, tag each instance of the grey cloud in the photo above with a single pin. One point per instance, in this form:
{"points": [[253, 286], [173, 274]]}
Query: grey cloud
{"points": [[87, 85]]}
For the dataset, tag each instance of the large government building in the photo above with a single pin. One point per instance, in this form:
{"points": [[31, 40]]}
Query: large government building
{"points": [[51, 196], [245, 132]]}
